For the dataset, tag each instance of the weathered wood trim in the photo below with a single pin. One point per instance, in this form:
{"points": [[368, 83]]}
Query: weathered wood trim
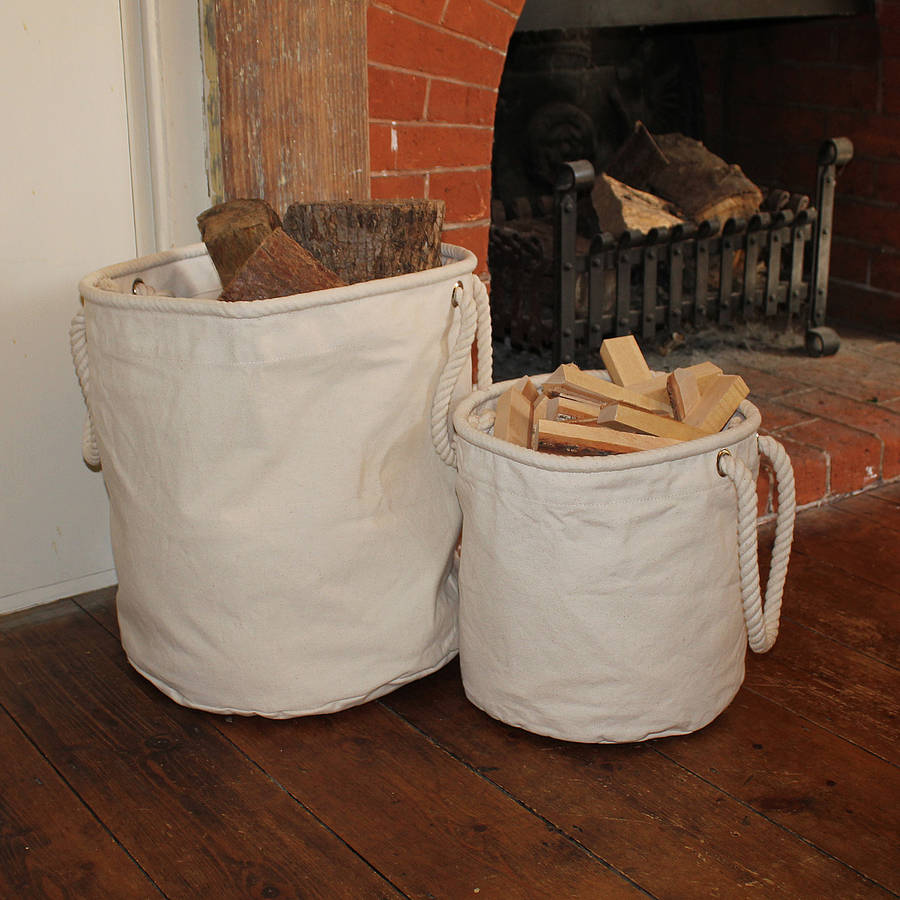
{"points": [[211, 102], [292, 99]]}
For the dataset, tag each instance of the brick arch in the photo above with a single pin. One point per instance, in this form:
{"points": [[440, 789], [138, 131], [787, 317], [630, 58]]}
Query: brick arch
{"points": [[434, 68]]}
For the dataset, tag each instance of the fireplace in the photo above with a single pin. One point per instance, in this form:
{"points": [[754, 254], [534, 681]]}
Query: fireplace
{"points": [[771, 90], [577, 102]]}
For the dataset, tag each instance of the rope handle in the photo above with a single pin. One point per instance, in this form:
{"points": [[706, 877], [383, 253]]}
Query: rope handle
{"points": [[78, 341], [762, 623], [475, 325]]}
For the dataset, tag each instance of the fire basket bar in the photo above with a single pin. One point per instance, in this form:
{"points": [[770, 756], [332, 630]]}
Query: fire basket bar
{"points": [[774, 264]]}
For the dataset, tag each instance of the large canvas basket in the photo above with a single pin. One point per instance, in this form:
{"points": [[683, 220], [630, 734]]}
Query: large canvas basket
{"points": [[609, 599], [280, 477]]}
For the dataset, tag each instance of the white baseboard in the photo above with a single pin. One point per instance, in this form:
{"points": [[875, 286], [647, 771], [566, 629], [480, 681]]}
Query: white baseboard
{"points": [[50, 592]]}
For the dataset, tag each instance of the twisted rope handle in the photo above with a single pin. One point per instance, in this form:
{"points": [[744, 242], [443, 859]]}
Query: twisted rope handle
{"points": [[762, 623], [474, 316], [78, 341], [485, 374]]}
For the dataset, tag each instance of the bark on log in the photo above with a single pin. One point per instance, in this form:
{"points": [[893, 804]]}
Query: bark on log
{"points": [[364, 240], [702, 184], [637, 160], [279, 267], [233, 230]]}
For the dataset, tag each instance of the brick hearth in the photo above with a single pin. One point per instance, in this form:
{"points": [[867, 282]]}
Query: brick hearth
{"points": [[838, 417]]}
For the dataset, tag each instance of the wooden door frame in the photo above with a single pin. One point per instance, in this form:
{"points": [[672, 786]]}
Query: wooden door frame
{"points": [[286, 93]]}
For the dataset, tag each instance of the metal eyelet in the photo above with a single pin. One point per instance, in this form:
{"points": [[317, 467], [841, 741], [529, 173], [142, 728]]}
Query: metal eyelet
{"points": [[135, 283], [458, 288], [723, 452]]}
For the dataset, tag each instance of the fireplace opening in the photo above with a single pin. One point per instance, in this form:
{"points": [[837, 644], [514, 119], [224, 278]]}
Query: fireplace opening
{"points": [[576, 94], [580, 93]]}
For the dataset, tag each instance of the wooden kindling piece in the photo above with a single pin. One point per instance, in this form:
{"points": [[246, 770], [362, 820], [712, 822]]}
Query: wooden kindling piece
{"points": [[657, 386], [684, 392], [596, 437], [514, 412], [619, 416], [718, 403], [624, 361]]}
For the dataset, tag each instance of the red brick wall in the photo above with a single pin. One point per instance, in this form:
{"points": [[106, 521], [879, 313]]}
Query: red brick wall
{"points": [[434, 69], [775, 90]]}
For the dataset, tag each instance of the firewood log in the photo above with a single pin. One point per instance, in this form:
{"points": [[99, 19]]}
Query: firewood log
{"points": [[637, 160], [364, 240], [702, 184], [279, 267], [233, 230], [620, 208]]}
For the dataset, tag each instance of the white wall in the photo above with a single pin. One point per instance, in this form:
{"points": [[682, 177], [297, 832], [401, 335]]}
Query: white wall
{"points": [[77, 195]]}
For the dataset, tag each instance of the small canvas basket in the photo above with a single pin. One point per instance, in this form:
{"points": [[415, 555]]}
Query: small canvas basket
{"points": [[610, 599]]}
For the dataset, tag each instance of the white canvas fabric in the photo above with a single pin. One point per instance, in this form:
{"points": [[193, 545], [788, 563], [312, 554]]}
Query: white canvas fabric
{"points": [[283, 525], [608, 599]]}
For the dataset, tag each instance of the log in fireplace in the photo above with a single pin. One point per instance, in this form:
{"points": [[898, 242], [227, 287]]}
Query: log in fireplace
{"points": [[654, 283]]}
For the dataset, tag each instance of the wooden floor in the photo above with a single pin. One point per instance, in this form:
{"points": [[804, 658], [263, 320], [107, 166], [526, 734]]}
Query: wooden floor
{"points": [[109, 790]]}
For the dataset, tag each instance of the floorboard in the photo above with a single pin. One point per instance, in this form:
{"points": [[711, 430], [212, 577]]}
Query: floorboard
{"points": [[865, 545], [420, 816], [888, 493], [844, 692], [52, 845], [195, 813], [871, 502], [827, 791], [672, 831], [847, 609], [109, 789]]}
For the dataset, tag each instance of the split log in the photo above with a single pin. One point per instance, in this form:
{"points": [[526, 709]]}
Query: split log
{"points": [[233, 230], [279, 267], [638, 159], [620, 207], [701, 184], [364, 240]]}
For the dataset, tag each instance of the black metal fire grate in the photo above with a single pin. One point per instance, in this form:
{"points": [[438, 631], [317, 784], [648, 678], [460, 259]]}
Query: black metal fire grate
{"points": [[655, 283]]}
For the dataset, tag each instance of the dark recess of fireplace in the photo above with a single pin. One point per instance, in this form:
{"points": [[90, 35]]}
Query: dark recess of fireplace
{"points": [[576, 94], [575, 84]]}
